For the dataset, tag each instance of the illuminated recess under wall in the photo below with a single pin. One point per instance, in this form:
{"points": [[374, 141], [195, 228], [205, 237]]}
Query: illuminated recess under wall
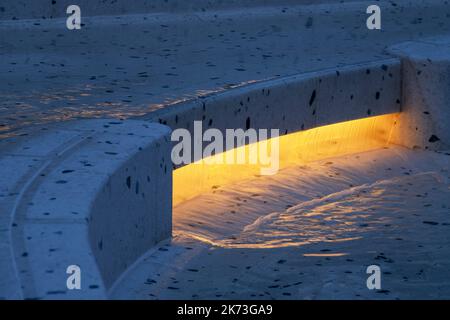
{"points": [[294, 149]]}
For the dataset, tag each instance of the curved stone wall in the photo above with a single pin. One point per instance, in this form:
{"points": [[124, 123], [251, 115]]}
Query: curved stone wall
{"points": [[94, 193], [295, 103]]}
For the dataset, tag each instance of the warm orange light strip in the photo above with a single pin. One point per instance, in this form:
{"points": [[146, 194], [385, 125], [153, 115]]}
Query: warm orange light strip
{"points": [[294, 149]]}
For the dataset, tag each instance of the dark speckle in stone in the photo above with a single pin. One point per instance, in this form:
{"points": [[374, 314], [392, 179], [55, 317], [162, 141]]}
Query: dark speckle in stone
{"points": [[129, 182], [150, 281], [377, 95], [56, 292], [433, 139], [383, 291], [313, 97]]}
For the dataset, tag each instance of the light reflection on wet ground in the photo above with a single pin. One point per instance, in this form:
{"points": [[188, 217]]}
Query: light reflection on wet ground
{"points": [[349, 215], [49, 74], [19, 112]]}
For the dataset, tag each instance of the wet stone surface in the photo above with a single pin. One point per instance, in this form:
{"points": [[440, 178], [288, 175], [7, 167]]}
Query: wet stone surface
{"points": [[310, 233]]}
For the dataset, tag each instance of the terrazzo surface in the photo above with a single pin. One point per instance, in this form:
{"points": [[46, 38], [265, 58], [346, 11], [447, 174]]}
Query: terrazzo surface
{"points": [[127, 66]]}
